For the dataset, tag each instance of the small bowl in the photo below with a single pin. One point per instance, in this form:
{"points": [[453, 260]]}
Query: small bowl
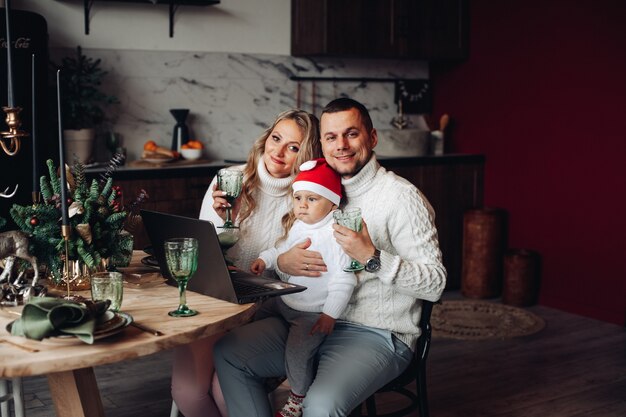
{"points": [[191, 154]]}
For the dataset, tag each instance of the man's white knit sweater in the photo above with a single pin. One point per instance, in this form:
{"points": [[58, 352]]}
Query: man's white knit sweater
{"points": [[262, 228], [401, 224]]}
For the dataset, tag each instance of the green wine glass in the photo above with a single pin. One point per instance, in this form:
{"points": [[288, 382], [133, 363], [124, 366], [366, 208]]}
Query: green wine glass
{"points": [[181, 255], [350, 218], [230, 181]]}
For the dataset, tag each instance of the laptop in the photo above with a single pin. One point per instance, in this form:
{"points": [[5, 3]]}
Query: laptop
{"points": [[213, 277]]}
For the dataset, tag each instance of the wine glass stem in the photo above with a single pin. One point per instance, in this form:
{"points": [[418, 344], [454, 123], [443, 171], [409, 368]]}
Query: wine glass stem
{"points": [[228, 221], [182, 287]]}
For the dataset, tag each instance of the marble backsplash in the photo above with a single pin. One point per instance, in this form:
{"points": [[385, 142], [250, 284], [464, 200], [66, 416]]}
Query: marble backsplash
{"points": [[232, 97]]}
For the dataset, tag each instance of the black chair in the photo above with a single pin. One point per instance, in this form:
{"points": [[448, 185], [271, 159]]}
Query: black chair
{"points": [[416, 371]]}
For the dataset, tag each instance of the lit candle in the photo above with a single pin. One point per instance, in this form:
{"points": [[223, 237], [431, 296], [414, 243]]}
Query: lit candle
{"points": [[61, 156], [7, 7], [34, 133]]}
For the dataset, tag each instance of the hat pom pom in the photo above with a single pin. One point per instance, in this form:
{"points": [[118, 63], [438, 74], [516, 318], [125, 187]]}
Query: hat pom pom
{"points": [[308, 165]]}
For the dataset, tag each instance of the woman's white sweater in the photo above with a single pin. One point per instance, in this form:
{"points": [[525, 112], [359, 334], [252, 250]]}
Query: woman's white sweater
{"points": [[263, 227]]}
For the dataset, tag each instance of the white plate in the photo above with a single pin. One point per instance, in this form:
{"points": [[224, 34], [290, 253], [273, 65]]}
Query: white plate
{"points": [[115, 323]]}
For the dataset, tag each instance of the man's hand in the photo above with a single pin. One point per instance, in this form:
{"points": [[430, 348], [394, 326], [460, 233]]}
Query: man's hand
{"points": [[298, 261], [258, 266], [357, 245], [324, 324]]}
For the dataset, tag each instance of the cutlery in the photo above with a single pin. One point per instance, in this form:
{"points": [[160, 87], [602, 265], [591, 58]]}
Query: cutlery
{"points": [[146, 328]]}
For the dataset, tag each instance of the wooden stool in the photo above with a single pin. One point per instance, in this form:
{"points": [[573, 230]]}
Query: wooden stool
{"points": [[15, 393]]}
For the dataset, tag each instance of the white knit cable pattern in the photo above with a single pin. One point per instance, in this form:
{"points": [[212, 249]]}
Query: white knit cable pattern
{"points": [[262, 228], [401, 223]]}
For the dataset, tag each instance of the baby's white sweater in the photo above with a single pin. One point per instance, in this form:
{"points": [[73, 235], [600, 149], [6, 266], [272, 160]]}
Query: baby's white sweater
{"points": [[401, 223], [262, 228], [328, 293]]}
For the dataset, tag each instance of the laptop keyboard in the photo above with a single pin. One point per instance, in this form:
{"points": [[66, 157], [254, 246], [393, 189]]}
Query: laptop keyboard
{"points": [[246, 288]]}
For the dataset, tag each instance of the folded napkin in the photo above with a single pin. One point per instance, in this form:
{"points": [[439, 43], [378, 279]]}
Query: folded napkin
{"points": [[48, 316]]}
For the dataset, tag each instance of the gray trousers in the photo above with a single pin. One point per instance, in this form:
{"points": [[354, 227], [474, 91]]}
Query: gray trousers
{"points": [[353, 363], [301, 347]]}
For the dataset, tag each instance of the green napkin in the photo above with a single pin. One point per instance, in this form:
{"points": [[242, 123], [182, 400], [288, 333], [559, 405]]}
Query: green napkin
{"points": [[48, 316]]}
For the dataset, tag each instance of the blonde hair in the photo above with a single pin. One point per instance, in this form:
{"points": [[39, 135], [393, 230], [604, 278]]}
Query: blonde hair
{"points": [[310, 148], [287, 222]]}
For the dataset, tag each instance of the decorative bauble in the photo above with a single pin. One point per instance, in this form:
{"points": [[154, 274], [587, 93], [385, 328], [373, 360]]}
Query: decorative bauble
{"points": [[34, 221]]}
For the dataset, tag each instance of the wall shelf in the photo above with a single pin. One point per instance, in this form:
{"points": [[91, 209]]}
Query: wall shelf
{"points": [[173, 7]]}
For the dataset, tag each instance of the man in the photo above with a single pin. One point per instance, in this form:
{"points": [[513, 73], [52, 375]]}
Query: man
{"points": [[374, 342]]}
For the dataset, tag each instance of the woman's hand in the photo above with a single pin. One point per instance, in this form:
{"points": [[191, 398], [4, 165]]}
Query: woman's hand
{"points": [[298, 261], [220, 204], [357, 245]]}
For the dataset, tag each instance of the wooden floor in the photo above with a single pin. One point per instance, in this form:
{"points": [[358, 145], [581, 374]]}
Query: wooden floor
{"points": [[574, 367]]}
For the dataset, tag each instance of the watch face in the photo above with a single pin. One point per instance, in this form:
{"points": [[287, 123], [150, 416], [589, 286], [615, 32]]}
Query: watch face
{"points": [[373, 264]]}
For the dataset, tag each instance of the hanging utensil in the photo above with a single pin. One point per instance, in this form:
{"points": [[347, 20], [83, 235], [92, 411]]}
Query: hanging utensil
{"points": [[443, 122]]}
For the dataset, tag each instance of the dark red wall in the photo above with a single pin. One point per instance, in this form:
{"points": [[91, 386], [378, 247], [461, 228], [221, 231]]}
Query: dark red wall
{"points": [[543, 96]]}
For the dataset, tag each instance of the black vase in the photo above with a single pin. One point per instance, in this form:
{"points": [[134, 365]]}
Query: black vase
{"points": [[180, 135]]}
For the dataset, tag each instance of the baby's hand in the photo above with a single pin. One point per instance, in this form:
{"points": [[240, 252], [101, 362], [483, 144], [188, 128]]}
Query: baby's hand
{"points": [[258, 266], [324, 324]]}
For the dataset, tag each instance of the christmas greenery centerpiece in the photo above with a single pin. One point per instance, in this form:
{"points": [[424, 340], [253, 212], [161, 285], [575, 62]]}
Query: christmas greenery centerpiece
{"points": [[97, 219]]}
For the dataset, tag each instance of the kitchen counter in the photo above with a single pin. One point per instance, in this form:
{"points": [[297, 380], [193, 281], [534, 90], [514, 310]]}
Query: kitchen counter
{"points": [[140, 169]]}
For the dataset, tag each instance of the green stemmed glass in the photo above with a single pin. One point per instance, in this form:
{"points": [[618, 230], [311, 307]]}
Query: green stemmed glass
{"points": [[230, 181], [350, 218], [181, 255]]}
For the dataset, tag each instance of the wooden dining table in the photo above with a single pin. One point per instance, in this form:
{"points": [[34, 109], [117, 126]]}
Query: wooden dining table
{"points": [[69, 363]]}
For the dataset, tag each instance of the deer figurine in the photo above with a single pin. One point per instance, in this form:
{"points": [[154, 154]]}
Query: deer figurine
{"points": [[5, 195], [14, 244]]}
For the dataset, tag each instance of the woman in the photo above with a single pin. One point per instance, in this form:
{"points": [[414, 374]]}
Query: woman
{"points": [[272, 163]]}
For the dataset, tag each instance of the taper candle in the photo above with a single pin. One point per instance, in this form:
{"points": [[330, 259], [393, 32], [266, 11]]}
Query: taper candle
{"points": [[62, 156], [34, 128], [7, 7]]}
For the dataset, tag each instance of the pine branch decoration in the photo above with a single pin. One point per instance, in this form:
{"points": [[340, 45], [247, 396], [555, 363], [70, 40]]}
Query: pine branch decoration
{"points": [[114, 163], [96, 219]]}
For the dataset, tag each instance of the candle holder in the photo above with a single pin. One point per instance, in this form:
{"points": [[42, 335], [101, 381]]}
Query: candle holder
{"points": [[14, 135], [66, 231]]}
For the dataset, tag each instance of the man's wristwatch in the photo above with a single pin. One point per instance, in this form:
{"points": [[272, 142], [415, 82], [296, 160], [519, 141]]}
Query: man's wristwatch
{"points": [[373, 263]]}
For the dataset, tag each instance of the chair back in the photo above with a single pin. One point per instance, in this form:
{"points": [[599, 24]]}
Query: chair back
{"points": [[416, 371], [421, 351]]}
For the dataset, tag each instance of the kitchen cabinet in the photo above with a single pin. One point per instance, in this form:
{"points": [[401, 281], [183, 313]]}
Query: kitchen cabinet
{"points": [[412, 29], [451, 183]]}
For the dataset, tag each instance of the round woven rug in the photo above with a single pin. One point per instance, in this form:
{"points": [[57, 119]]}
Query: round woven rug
{"points": [[479, 320]]}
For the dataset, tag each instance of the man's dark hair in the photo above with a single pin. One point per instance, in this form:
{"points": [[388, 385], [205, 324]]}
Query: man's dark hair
{"points": [[345, 103]]}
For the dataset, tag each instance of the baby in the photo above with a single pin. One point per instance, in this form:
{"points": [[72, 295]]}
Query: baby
{"points": [[311, 314]]}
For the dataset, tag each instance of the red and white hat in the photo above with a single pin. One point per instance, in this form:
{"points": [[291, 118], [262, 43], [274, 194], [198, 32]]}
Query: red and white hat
{"points": [[317, 176]]}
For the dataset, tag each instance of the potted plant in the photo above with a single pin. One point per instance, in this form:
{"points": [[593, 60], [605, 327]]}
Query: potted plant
{"points": [[81, 103]]}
